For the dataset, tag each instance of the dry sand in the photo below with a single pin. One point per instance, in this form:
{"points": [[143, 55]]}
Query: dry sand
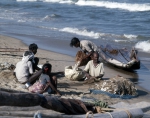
{"points": [[69, 89]]}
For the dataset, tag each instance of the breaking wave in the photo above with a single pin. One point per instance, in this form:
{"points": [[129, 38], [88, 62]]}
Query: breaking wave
{"points": [[107, 4], [83, 32], [143, 45]]}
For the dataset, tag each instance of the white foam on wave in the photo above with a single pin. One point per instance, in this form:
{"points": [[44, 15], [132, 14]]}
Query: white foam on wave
{"points": [[116, 5], [107, 4], [130, 36], [28, 0], [120, 40], [49, 28], [83, 32], [143, 45]]}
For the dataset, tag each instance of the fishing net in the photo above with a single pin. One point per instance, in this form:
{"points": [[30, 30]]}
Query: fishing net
{"points": [[116, 86]]}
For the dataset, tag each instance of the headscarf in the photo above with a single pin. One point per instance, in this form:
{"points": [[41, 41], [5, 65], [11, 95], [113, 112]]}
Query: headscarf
{"points": [[28, 57]]}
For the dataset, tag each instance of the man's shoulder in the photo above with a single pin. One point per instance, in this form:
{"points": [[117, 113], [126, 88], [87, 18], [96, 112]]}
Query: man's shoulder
{"points": [[29, 62], [90, 62], [101, 63], [18, 63], [84, 41]]}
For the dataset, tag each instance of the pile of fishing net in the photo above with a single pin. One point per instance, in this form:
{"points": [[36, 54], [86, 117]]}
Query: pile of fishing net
{"points": [[117, 85]]}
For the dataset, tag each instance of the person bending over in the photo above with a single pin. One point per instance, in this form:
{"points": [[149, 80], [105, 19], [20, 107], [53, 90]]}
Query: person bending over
{"points": [[46, 83], [85, 45], [94, 68]]}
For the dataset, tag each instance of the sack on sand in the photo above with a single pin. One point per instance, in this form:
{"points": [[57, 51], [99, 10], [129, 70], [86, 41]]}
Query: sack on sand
{"points": [[80, 56], [73, 74]]}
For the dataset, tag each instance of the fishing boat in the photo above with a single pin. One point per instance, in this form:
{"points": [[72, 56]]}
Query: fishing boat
{"points": [[122, 58], [17, 104]]}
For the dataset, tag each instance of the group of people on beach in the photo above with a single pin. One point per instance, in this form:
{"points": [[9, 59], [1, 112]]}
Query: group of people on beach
{"points": [[27, 71], [47, 81]]}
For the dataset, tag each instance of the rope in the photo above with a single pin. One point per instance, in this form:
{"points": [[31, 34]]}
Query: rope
{"points": [[128, 113], [123, 56], [87, 114], [109, 114], [37, 115]]}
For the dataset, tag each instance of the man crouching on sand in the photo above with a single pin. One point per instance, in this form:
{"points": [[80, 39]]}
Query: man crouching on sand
{"points": [[94, 69]]}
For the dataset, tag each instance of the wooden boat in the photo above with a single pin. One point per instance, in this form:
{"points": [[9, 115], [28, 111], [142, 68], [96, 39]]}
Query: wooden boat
{"points": [[65, 108], [121, 58]]}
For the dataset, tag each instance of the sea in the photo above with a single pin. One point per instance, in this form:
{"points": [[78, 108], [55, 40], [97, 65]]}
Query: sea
{"points": [[53, 23]]}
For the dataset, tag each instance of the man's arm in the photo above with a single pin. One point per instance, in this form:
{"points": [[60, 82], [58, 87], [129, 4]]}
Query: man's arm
{"points": [[30, 67], [53, 88], [57, 73], [87, 75], [100, 76]]}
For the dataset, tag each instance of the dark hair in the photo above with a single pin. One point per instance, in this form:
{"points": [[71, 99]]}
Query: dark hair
{"points": [[94, 52], [33, 46], [27, 53], [46, 67], [74, 41]]}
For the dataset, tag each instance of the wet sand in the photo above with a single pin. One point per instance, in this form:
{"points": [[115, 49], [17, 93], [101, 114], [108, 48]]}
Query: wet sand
{"points": [[69, 89]]}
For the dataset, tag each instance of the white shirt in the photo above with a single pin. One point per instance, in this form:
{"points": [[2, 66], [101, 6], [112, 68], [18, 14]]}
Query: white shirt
{"points": [[94, 71], [87, 46], [24, 68]]}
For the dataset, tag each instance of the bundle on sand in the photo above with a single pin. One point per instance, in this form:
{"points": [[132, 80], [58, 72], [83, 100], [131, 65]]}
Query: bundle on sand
{"points": [[80, 57], [74, 74], [118, 85]]}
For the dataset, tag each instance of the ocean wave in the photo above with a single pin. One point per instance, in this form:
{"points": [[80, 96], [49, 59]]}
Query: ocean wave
{"points": [[28, 0], [130, 36], [49, 17], [116, 5], [107, 4], [49, 28], [143, 45], [120, 40], [82, 32]]}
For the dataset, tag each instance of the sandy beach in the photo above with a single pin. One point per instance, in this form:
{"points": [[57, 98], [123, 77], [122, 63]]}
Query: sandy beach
{"points": [[69, 89]]}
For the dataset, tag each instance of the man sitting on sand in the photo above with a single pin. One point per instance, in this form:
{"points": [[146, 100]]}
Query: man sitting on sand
{"points": [[94, 69], [25, 74], [33, 48], [24, 68]]}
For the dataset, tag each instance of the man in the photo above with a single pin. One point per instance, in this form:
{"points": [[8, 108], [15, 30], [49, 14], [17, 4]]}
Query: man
{"points": [[24, 68], [94, 69], [33, 48], [86, 46]]}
